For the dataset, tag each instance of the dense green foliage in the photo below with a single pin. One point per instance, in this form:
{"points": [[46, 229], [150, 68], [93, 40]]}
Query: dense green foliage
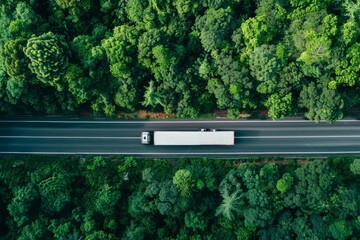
{"points": [[186, 57], [127, 198]]}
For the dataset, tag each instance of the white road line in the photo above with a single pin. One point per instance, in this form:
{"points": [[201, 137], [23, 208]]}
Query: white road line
{"points": [[245, 137], [279, 137], [187, 153], [174, 121], [68, 137]]}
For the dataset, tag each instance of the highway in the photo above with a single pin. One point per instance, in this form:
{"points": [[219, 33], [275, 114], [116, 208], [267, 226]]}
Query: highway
{"points": [[252, 138]]}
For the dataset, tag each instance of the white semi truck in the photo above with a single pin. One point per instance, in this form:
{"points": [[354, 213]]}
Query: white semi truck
{"points": [[183, 138]]}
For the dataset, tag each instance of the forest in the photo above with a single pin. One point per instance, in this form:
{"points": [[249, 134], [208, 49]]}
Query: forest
{"points": [[186, 57], [94, 198]]}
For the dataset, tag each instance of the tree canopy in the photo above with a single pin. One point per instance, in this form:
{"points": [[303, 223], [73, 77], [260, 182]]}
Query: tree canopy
{"points": [[184, 57], [129, 198]]}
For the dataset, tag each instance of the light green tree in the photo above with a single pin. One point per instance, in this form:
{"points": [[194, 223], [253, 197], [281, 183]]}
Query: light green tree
{"points": [[352, 9], [76, 8], [231, 204], [355, 166], [279, 106], [284, 184], [317, 48], [21, 204], [121, 53], [325, 104], [152, 97], [184, 182], [265, 67], [47, 58], [25, 19], [195, 220]]}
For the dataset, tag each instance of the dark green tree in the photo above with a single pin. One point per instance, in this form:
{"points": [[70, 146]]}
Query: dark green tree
{"points": [[321, 105], [152, 97], [215, 27], [55, 192], [25, 20], [341, 230], [35, 230], [313, 186], [22, 204], [348, 68], [195, 220], [106, 200]]}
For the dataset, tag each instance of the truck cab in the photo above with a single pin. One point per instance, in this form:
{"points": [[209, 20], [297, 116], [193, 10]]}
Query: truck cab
{"points": [[145, 138]]}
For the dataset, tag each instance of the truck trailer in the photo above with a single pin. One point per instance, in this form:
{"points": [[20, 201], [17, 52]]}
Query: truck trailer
{"points": [[190, 138]]}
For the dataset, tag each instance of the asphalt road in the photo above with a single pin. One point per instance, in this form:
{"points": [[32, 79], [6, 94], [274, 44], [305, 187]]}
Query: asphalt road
{"points": [[297, 138]]}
